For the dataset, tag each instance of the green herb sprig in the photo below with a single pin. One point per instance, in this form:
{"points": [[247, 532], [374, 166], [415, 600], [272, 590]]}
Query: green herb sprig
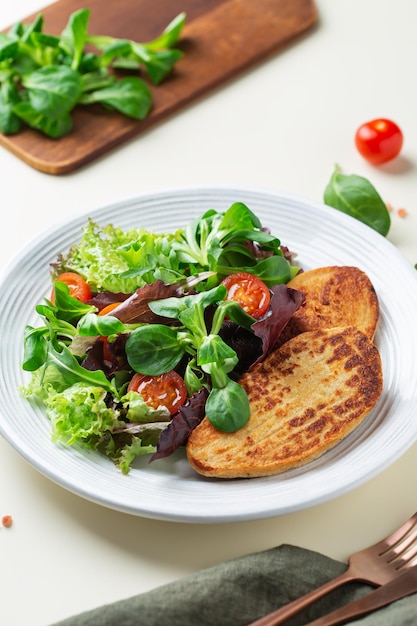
{"points": [[43, 77]]}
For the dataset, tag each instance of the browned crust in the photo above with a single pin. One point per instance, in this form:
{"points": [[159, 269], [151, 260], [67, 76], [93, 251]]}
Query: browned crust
{"points": [[334, 296], [305, 398]]}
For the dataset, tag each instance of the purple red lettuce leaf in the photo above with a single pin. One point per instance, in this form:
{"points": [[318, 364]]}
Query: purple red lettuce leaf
{"points": [[252, 346], [136, 309], [188, 416], [284, 303]]}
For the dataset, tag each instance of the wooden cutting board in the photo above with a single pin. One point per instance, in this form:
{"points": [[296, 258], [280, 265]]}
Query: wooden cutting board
{"points": [[221, 38]]}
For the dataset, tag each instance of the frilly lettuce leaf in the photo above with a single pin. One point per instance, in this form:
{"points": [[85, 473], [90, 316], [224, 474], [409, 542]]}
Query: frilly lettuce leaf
{"points": [[139, 411], [108, 258], [78, 412]]}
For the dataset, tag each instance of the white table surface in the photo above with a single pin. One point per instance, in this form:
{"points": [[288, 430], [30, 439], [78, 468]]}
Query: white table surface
{"points": [[280, 126]]}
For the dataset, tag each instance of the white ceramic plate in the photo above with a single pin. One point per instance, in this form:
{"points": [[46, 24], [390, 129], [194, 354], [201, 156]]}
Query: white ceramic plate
{"points": [[169, 489]]}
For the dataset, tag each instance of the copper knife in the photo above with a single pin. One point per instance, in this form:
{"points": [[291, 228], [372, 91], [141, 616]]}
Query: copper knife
{"points": [[400, 587]]}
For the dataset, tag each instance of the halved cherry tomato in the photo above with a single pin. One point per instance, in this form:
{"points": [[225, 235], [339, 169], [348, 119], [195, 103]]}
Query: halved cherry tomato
{"points": [[78, 287], [249, 291], [107, 355], [109, 308], [379, 140], [166, 390]]}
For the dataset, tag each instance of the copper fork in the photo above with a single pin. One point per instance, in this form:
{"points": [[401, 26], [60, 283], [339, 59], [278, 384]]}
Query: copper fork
{"points": [[376, 565]]}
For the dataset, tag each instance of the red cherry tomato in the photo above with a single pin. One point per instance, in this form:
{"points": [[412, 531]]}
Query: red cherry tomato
{"points": [[78, 288], [107, 355], [249, 291], [379, 141], [166, 390], [109, 308]]}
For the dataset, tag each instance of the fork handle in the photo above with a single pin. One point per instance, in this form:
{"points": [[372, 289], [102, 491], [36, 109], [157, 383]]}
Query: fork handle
{"points": [[400, 587], [288, 610]]}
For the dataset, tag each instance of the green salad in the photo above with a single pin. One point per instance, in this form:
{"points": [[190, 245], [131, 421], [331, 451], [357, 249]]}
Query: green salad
{"points": [[145, 334]]}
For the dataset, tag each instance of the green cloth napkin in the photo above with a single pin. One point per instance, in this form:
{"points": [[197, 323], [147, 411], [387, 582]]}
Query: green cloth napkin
{"points": [[239, 591]]}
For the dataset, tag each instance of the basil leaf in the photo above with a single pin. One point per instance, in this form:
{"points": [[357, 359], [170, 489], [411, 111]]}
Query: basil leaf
{"points": [[153, 349], [228, 408], [357, 197]]}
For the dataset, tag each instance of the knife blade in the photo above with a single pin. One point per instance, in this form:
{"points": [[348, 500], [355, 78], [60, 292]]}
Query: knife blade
{"points": [[400, 587]]}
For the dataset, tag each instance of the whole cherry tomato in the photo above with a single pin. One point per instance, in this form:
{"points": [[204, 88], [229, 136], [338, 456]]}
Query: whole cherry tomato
{"points": [[78, 287], [379, 140], [249, 291], [166, 390]]}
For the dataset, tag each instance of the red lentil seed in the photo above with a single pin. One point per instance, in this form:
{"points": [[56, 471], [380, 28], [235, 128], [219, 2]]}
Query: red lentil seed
{"points": [[7, 521]]}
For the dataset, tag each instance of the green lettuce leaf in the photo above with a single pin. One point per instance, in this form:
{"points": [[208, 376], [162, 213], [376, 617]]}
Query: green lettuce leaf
{"points": [[140, 412], [78, 412], [108, 258]]}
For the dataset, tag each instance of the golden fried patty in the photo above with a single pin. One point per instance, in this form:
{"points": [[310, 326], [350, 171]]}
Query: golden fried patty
{"points": [[334, 296], [304, 398]]}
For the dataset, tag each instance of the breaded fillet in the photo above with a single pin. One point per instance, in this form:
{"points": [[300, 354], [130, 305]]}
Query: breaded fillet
{"points": [[334, 296], [304, 398]]}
